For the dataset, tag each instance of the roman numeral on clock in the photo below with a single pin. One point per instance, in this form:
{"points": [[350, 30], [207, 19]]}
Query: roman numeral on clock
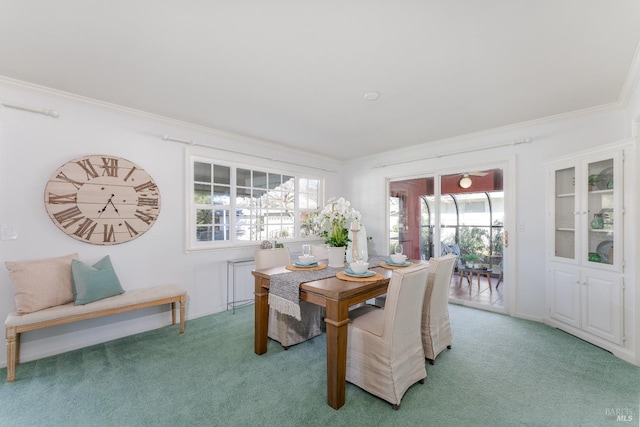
{"points": [[61, 199], [69, 216], [126, 178], [147, 201], [144, 216], [109, 234], [132, 231], [145, 186], [64, 177], [88, 168], [110, 166], [85, 229]]}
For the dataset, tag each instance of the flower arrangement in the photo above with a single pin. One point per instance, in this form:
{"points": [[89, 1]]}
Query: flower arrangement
{"points": [[333, 221]]}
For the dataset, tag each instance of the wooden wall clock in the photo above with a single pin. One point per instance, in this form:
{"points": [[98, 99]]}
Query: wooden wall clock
{"points": [[103, 200]]}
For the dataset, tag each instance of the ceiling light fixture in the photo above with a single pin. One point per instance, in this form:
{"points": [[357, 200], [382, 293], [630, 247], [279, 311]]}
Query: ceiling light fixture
{"points": [[465, 181], [371, 96]]}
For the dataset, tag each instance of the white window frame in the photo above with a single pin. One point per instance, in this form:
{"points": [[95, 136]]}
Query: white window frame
{"points": [[191, 242]]}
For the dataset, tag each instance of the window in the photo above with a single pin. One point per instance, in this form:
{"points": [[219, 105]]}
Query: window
{"points": [[234, 203], [308, 204]]}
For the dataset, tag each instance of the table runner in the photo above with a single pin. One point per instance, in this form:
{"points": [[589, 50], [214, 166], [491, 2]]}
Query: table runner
{"points": [[284, 288]]}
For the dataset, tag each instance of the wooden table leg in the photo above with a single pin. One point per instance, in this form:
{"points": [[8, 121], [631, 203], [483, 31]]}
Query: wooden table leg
{"points": [[337, 322], [261, 317]]}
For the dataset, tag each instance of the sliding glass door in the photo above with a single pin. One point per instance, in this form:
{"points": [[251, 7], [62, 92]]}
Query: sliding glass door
{"points": [[411, 217], [462, 213]]}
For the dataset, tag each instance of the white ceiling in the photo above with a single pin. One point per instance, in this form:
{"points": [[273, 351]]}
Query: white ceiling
{"points": [[294, 72]]}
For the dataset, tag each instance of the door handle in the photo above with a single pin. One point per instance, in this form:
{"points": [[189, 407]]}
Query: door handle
{"points": [[506, 239]]}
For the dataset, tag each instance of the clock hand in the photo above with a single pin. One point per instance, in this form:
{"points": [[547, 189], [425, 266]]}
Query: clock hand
{"points": [[107, 204], [114, 206]]}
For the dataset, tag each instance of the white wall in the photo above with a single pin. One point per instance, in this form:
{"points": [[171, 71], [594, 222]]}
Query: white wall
{"points": [[632, 126], [551, 139], [33, 146]]}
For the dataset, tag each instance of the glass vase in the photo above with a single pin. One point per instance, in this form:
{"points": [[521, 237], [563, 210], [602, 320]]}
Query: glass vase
{"points": [[597, 222]]}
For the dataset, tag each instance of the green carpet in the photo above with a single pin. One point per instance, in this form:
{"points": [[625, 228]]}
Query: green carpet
{"points": [[501, 372]]}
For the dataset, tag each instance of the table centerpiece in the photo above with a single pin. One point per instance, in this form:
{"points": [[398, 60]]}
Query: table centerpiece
{"points": [[332, 221]]}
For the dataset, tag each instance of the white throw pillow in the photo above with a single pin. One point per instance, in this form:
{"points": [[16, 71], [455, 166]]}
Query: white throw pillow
{"points": [[41, 284]]}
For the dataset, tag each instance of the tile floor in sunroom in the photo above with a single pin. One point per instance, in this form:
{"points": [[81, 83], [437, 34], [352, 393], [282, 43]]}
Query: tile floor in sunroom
{"points": [[461, 290]]}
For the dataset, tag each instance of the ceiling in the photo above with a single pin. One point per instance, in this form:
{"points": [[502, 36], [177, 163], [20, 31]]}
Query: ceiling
{"points": [[294, 72]]}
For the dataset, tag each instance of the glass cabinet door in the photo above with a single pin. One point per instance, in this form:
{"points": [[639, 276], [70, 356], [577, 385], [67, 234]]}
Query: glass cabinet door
{"points": [[565, 213], [601, 209]]}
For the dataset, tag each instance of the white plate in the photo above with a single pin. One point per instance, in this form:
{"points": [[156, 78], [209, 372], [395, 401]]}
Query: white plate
{"points": [[603, 251], [398, 264], [605, 179], [313, 264], [367, 273]]}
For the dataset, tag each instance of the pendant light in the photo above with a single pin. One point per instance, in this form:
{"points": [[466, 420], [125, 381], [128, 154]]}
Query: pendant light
{"points": [[465, 181]]}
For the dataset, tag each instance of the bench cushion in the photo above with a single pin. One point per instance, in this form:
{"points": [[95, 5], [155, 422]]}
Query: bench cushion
{"points": [[135, 296], [42, 283]]}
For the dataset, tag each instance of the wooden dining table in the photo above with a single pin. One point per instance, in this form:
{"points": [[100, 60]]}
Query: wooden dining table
{"points": [[336, 296]]}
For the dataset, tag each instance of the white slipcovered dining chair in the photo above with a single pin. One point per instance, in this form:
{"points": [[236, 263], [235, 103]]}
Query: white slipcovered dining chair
{"points": [[436, 329], [283, 328], [320, 251], [384, 350]]}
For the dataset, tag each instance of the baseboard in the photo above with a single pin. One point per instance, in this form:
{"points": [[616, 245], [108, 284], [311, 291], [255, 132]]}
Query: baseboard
{"points": [[618, 351], [46, 342]]}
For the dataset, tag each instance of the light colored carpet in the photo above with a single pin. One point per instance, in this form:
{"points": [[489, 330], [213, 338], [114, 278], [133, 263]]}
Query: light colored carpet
{"points": [[500, 372]]}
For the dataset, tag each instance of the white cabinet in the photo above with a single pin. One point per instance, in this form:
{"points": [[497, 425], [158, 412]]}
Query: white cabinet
{"points": [[585, 211], [602, 304], [587, 299], [563, 295], [585, 263]]}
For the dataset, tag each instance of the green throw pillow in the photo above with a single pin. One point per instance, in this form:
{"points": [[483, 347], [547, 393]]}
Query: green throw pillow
{"points": [[94, 283]]}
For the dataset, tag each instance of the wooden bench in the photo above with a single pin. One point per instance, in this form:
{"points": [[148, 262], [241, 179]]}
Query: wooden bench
{"points": [[68, 313]]}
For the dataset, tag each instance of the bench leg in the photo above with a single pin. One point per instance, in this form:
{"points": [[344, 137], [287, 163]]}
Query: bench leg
{"points": [[183, 300], [13, 348], [18, 349]]}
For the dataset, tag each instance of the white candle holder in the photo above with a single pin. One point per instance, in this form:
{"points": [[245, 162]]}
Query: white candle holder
{"points": [[354, 246]]}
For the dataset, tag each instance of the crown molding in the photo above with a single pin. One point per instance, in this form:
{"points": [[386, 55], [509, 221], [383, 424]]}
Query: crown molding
{"points": [[498, 130], [266, 144], [631, 80]]}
